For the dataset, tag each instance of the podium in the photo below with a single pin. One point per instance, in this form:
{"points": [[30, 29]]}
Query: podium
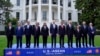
{"points": [[52, 52]]}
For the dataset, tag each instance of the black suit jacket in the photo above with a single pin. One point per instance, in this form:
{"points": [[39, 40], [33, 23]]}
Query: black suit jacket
{"points": [[28, 31], [84, 30], [53, 30], [9, 32], [45, 32], [61, 30], [78, 34], [37, 31], [70, 30]]}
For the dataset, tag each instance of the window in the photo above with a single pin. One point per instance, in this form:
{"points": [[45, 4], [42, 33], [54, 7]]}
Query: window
{"points": [[79, 14], [69, 16], [44, 15], [69, 3], [61, 2], [18, 2], [61, 16], [26, 15], [35, 16], [53, 14], [17, 15], [54, 1], [44, 1], [27, 2], [34, 1]]}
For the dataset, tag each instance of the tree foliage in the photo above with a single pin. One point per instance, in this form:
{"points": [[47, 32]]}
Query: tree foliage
{"points": [[6, 6], [90, 10]]}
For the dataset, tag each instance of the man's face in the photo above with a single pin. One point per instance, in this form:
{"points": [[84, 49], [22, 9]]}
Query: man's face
{"points": [[37, 24], [70, 22], [10, 24], [91, 24], [28, 23], [84, 23]]}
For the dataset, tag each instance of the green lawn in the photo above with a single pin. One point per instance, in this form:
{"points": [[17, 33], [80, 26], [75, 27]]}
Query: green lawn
{"points": [[3, 42]]}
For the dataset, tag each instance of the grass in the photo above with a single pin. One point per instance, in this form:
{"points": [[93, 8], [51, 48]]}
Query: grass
{"points": [[3, 41]]}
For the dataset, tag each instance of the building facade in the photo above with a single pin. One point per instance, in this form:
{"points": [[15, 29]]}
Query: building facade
{"points": [[44, 10]]}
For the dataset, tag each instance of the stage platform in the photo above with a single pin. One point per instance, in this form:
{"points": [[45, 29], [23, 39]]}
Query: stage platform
{"points": [[94, 51]]}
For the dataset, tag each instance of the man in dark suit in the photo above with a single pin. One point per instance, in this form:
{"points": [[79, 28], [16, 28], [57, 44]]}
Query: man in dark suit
{"points": [[70, 32], [45, 33], [84, 29], [91, 33], [19, 33], [53, 31], [28, 31], [62, 34], [9, 33], [78, 35], [36, 35]]}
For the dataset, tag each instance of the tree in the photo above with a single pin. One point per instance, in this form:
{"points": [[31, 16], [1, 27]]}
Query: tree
{"points": [[90, 10], [6, 6]]}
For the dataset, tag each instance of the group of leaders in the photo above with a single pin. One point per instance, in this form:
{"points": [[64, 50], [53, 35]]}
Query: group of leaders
{"points": [[80, 32]]}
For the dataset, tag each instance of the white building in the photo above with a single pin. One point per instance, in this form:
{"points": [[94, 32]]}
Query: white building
{"points": [[44, 10]]}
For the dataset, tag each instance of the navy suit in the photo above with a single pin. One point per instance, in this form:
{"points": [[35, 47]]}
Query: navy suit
{"points": [[91, 35], [19, 33], [9, 34], [84, 35], [70, 32], [61, 34], [36, 36], [28, 32], [53, 31], [78, 35], [45, 33]]}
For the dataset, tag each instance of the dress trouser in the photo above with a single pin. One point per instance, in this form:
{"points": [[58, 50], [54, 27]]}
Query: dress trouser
{"points": [[9, 41]]}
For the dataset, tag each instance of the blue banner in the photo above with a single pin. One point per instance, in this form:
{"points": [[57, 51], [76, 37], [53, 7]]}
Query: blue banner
{"points": [[52, 52]]}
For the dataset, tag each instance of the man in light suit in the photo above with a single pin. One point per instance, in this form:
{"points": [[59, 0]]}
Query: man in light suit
{"points": [[91, 33], [53, 32]]}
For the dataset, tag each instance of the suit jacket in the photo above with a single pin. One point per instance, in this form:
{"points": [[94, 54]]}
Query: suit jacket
{"points": [[91, 30], [45, 32], [70, 30], [37, 31], [78, 34], [53, 30], [19, 32], [61, 30], [28, 31], [9, 32], [84, 30], [33, 29]]}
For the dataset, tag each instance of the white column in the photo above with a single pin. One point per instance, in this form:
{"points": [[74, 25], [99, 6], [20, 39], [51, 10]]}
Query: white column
{"points": [[50, 11], [59, 10], [74, 16], [39, 18], [24, 10], [64, 10], [30, 10]]}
